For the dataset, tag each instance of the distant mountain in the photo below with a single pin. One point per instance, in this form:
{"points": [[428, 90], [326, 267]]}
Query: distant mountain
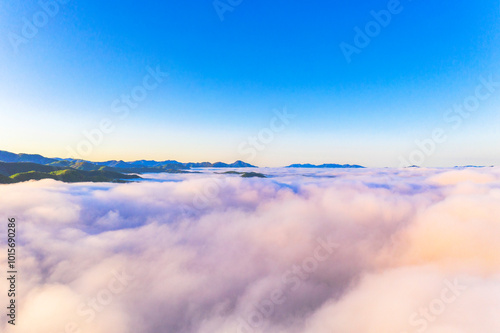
{"points": [[343, 166], [240, 164], [33, 158], [141, 166], [237, 164], [473, 166], [124, 167], [79, 165]]}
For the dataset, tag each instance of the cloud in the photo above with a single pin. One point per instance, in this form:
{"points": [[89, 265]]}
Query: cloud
{"points": [[302, 251]]}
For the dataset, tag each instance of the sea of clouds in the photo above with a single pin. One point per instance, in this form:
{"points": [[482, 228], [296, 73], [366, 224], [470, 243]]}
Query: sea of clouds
{"points": [[343, 251]]}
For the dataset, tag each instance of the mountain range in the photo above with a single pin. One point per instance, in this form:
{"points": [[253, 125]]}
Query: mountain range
{"points": [[146, 165], [23, 167]]}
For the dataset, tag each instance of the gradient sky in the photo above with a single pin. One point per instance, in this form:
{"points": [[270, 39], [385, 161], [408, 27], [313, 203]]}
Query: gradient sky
{"points": [[227, 76]]}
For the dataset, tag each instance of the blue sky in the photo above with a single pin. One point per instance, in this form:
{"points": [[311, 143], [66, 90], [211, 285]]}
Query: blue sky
{"points": [[226, 79]]}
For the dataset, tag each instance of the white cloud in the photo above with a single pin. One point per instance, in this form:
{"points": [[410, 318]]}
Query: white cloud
{"points": [[248, 258]]}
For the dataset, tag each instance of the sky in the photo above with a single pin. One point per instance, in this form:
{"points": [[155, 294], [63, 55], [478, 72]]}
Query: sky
{"points": [[376, 83]]}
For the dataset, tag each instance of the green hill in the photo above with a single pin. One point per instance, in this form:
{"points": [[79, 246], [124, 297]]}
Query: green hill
{"points": [[5, 180], [81, 165], [68, 176], [73, 176], [31, 175], [253, 174], [244, 174]]}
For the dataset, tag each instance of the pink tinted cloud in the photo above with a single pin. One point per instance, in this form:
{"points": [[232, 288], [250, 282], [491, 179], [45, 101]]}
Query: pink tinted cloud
{"points": [[342, 251]]}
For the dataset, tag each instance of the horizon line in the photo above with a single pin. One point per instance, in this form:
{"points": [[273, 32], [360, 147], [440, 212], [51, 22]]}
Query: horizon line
{"points": [[348, 165]]}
